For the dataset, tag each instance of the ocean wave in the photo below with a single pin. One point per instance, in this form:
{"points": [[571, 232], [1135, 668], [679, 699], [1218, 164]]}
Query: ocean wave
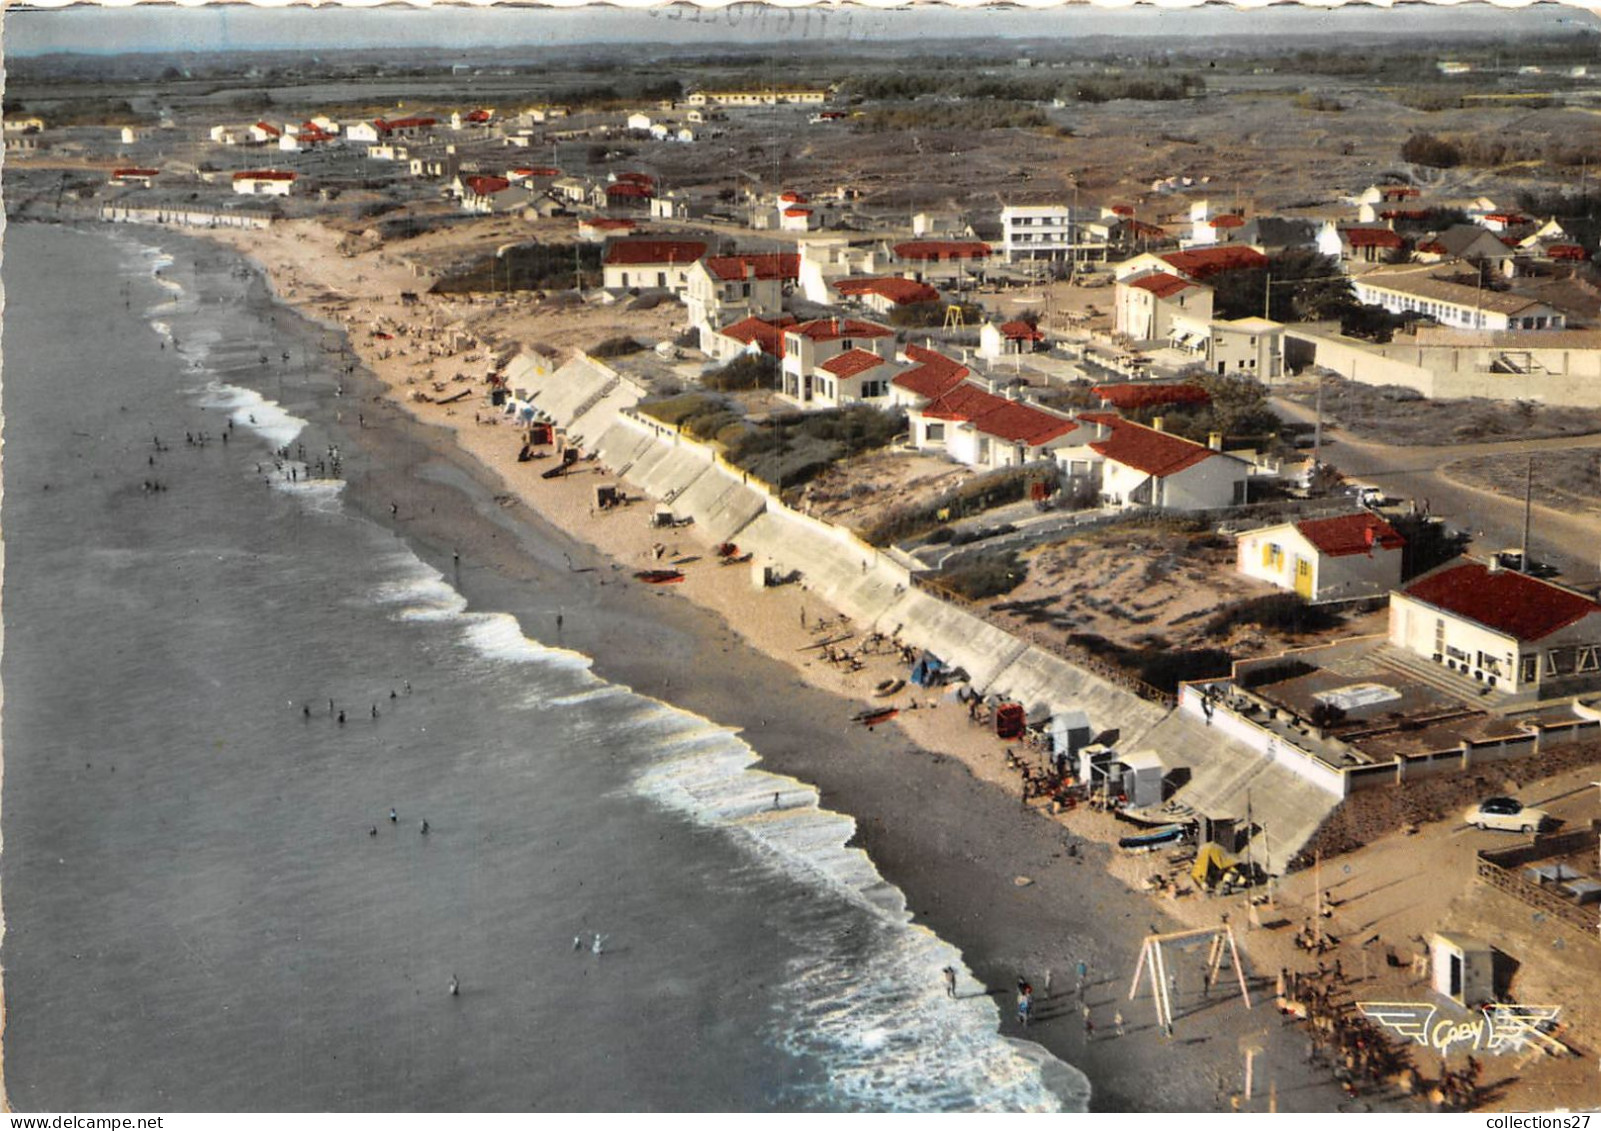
{"points": [[249, 409], [874, 1011]]}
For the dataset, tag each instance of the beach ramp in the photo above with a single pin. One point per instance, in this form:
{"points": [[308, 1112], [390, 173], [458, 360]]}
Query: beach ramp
{"points": [[1228, 779], [583, 396]]}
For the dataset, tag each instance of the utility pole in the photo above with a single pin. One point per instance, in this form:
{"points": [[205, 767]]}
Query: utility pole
{"points": [[1528, 503], [1317, 428]]}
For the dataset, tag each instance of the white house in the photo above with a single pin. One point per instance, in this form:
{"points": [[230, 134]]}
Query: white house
{"points": [[1148, 308], [826, 259], [724, 288], [482, 194], [1503, 629], [263, 132], [884, 294], [264, 182], [1249, 346], [631, 263], [852, 377], [1147, 467], [798, 218], [747, 336], [943, 263], [143, 178], [1008, 339], [367, 133], [808, 344], [640, 122], [980, 428], [1037, 231], [1325, 559]]}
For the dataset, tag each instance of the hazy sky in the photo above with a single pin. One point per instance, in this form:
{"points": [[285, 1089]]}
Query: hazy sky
{"points": [[214, 27]]}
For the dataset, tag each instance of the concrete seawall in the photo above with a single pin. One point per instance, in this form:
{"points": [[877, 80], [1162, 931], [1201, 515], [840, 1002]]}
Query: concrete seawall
{"points": [[595, 403]]}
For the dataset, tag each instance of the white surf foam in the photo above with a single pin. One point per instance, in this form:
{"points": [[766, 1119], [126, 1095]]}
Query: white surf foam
{"points": [[874, 1012]]}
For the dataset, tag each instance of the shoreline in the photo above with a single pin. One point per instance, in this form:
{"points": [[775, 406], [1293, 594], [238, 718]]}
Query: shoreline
{"points": [[934, 806]]}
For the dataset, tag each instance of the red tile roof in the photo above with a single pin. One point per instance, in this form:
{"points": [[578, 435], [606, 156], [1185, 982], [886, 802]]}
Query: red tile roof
{"points": [[1020, 331], [768, 335], [1397, 192], [135, 172], [540, 171], [479, 116], [1370, 237], [1139, 228], [897, 290], [1406, 214], [1203, 262], [797, 212], [1228, 220], [1503, 601], [486, 186], [1145, 449], [1161, 284], [1566, 251], [629, 188], [1122, 210], [733, 268], [833, 329], [793, 198], [635, 178], [852, 362], [934, 376], [634, 253], [1506, 217], [994, 415], [1350, 534], [406, 123], [268, 129], [1127, 397], [942, 250], [264, 175]]}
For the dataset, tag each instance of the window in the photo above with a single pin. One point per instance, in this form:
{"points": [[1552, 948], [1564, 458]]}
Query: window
{"points": [[934, 433]]}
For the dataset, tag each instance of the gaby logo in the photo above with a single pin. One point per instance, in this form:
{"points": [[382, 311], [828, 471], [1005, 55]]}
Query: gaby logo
{"points": [[1495, 1029]]}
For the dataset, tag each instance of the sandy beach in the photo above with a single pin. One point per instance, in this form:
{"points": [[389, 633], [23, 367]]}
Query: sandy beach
{"points": [[1024, 894]]}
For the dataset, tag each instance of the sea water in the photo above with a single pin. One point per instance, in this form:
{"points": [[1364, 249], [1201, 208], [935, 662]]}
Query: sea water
{"points": [[207, 905]]}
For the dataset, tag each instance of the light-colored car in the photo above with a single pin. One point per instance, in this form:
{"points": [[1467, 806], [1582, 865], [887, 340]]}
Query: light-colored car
{"points": [[1507, 814]]}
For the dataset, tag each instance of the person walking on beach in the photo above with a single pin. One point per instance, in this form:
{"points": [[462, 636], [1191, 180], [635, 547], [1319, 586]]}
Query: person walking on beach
{"points": [[1117, 1022], [425, 827], [950, 981], [1089, 1025], [1025, 1004], [1047, 985], [1083, 977]]}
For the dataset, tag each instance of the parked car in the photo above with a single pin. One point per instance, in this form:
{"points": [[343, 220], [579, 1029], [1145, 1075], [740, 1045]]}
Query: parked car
{"points": [[1513, 559], [1506, 813]]}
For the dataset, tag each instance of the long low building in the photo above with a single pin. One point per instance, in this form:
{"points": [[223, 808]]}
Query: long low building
{"points": [[1454, 304]]}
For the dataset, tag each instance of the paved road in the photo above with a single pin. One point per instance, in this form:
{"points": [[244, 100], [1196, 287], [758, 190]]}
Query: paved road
{"points": [[1571, 542]]}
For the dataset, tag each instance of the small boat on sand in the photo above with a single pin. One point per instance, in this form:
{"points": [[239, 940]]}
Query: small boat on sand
{"points": [[875, 716], [1164, 834], [888, 687], [659, 576]]}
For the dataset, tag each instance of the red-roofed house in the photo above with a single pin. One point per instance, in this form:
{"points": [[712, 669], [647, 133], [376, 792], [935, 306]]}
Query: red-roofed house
{"points": [[599, 229], [807, 345], [264, 182], [1142, 394], [854, 376], [883, 294], [1008, 338], [942, 262], [263, 132], [1325, 559], [407, 127], [1144, 467], [1196, 264], [1500, 628], [725, 287], [1160, 306], [932, 376], [650, 263], [628, 195], [140, 177], [980, 428], [491, 194], [749, 335], [798, 218]]}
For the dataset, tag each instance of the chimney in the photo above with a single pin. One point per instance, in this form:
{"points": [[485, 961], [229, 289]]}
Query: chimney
{"points": [[1157, 422], [1214, 440], [1494, 564]]}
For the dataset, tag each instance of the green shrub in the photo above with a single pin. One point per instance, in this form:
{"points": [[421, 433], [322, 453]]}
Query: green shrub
{"points": [[988, 576], [748, 371], [620, 346], [1286, 612]]}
